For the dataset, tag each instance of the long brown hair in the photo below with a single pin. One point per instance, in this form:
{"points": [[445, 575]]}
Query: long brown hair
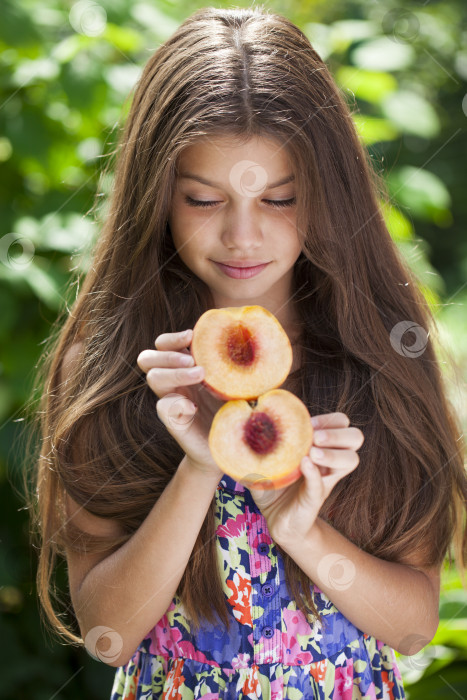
{"points": [[248, 72]]}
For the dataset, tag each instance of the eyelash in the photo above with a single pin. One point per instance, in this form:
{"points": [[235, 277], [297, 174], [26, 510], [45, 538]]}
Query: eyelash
{"points": [[275, 203]]}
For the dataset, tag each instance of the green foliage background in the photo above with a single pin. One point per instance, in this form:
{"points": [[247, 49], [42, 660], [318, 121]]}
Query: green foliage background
{"points": [[66, 70]]}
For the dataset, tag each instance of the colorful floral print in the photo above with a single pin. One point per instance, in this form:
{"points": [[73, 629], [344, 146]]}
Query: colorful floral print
{"points": [[273, 651]]}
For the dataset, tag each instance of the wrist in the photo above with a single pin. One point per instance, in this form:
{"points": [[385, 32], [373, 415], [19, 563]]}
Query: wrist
{"points": [[290, 542], [200, 470]]}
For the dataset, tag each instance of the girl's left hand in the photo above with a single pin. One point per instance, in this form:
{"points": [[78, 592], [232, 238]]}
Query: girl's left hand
{"points": [[290, 512]]}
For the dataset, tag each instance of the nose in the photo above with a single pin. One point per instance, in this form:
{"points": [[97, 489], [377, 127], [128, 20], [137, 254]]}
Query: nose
{"points": [[242, 229]]}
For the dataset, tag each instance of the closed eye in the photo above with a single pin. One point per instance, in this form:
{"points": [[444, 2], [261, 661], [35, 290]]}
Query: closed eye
{"points": [[273, 202]]}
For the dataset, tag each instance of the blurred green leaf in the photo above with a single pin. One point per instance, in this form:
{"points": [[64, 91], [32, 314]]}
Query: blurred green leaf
{"points": [[398, 225], [411, 112], [43, 282], [123, 77], [17, 27], [382, 54], [353, 29], [123, 38], [415, 253], [319, 36], [68, 232], [28, 71], [151, 17], [373, 129], [368, 85], [422, 192]]}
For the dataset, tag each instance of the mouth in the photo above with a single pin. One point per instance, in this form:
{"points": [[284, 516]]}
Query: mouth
{"points": [[241, 271]]}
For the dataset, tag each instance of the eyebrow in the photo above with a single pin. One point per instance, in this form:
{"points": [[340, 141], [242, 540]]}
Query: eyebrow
{"points": [[198, 178]]}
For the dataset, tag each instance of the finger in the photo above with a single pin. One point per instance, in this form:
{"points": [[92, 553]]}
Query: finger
{"points": [[351, 438], [341, 460], [330, 420], [162, 380], [169, 358], [177, 412], [174, 341]]}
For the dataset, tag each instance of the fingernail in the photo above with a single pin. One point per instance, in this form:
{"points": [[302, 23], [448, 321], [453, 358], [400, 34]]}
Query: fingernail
{"points": [[187, 360], [315, 421], [195, 371], [316, 452], [321, 436]]}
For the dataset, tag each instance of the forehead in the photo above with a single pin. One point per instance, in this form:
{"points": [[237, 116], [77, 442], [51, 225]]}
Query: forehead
{"points": [[221, 154]]}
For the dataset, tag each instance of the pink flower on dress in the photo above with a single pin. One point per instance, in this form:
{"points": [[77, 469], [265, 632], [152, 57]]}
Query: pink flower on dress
{"points": [[259, 530], [277, 689], [187, 650], [168, 641], [233, 527], [163, 636], [296, 624], [343, 682], [371, 692]]}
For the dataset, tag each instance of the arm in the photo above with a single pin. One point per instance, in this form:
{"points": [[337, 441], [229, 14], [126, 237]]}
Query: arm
{"points": [[396, 603], [131, 589]]}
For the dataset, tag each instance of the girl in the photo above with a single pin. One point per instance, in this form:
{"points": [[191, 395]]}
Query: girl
{"points": [[241, 180]]}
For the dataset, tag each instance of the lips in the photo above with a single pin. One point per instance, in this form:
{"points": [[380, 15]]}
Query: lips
{"points": [[241, 263], [244, 272]]}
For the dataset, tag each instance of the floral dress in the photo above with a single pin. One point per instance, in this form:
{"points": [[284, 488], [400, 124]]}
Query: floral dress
{"points": [[273, 651]]}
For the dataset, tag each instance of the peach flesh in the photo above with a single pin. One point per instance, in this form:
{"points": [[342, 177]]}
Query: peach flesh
{"points": [[266, 440], [244, 351]]}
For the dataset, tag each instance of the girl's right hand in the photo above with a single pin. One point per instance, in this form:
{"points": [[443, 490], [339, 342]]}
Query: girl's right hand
{"points": [[171, 374]]}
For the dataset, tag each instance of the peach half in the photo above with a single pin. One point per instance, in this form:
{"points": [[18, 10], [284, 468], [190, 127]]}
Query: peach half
{"points": [[268, 439], [244, 351]]}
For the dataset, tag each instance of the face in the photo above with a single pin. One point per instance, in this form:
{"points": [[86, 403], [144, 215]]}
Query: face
{"points": [[234, 205]]}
